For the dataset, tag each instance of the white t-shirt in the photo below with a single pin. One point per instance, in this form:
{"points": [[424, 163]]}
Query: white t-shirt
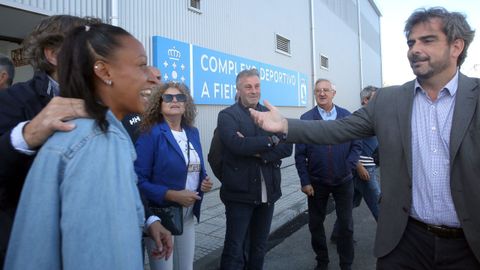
{"points": [[193, 174]]}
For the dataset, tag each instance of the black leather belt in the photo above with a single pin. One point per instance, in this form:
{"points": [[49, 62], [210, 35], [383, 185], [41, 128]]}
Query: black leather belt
{"points": [[440, 231]]}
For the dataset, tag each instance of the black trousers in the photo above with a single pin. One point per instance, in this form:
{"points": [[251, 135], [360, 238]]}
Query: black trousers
{"points": [[6, 223], [247, 224], [420, 249], [317, 207]]}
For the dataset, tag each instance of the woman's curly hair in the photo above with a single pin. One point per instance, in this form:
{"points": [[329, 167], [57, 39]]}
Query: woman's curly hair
{"points": [[153, 113]]}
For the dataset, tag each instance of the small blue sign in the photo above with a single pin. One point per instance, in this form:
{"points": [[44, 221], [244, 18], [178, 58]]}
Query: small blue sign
{"points": [[211, 74]]}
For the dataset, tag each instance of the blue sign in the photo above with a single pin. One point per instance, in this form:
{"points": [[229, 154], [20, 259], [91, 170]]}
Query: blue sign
{"points": [[211, 74]]}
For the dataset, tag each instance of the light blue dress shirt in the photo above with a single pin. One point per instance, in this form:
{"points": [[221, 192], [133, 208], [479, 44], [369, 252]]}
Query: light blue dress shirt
{"points": [[431, 124], [53, 87], [331, 115], [80, 207]]}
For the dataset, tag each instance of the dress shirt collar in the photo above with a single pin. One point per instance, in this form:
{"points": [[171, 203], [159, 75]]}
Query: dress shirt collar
{"points": [[53, 87], [451, 87], [331, 115]]}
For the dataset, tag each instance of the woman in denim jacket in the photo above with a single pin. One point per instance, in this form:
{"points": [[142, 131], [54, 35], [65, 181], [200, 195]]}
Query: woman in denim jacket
{"points": [[80, 207], [170, 166]]}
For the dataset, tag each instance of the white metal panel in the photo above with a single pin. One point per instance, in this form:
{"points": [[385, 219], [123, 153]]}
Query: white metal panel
{"points": [[247, 29], [371, 44], [93, 8], [338, 39], [243, 28]]}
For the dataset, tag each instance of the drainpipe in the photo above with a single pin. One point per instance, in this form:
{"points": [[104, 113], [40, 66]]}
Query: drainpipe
{"points": [[314, 54], [114, 12], [360, 58]]}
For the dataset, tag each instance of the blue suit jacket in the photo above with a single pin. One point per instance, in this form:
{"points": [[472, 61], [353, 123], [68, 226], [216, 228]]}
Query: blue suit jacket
{"points": [[160, 164]]}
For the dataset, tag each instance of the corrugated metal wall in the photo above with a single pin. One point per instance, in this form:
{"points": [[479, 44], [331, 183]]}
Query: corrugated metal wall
{"points": [[242, 28], [173, 19], [94, 8], [371, 46], [337, 38], [247, 29]]}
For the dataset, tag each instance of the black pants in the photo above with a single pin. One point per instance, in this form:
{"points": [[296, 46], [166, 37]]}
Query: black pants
{"points": [[247, 224], [317, 206], [6, 223], [420, 249]]}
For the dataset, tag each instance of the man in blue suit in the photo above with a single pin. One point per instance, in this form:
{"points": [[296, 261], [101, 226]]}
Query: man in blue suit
{"points": [[327, 169], [250, 176]]}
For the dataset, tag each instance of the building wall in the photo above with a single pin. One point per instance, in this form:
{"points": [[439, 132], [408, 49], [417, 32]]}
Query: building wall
{"points": [[337, 38], [371, 45], [29, 12], [241, 28], [22, 73], [247, 29], [94, 8]]}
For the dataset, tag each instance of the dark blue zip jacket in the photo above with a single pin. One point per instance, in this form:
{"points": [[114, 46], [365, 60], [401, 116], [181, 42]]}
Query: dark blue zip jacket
{"points": [[326, 164]]}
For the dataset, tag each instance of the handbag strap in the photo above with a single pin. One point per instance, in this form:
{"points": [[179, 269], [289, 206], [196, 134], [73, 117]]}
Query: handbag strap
{"points": [[188, 152]]}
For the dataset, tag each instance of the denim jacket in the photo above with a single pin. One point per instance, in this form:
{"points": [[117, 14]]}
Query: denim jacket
{"points": [[80, 207]]}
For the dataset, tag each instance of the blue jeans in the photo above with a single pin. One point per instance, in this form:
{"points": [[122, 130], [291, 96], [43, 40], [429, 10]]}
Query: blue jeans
{"points": [[369, 190], [317, 206], [248, 227]]}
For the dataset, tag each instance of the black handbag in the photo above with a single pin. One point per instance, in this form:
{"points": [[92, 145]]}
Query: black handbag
{"points": [[171, 217]]}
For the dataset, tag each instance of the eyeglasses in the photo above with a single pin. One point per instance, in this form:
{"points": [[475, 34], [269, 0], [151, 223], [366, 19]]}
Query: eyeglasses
{"points": [[167, 98], [324, 90]]}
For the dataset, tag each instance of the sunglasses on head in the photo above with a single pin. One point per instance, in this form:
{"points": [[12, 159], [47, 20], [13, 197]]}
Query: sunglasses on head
{"points": [[167, 98]]}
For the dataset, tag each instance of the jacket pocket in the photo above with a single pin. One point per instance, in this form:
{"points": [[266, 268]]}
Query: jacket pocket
{"points": [[236, 179]]}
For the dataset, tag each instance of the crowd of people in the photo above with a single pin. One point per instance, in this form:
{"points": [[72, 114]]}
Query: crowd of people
{"points": [[96, 146], [428, 150]]}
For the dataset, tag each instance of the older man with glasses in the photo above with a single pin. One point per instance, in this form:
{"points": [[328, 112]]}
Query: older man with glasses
{"points": [[325, 170]]}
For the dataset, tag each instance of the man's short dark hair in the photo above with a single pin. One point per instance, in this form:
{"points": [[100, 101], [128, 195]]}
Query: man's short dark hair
{"points": [[7, 65], [455, 26]]}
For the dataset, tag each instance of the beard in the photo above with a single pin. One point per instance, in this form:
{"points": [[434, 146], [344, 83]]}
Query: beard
{"points": [[428, 68]]}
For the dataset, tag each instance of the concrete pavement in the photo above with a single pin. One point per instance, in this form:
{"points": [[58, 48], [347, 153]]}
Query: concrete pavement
{"points": [[210, 232], [295, 252], [290, 253]]}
